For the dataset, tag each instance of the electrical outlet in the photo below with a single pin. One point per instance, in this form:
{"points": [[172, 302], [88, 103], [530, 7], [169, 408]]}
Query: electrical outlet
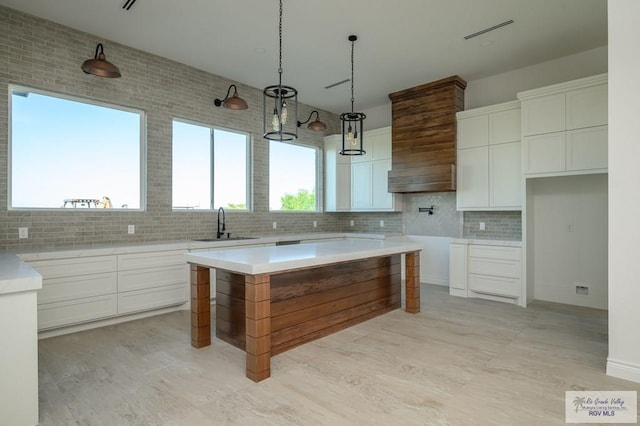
{"points": [[570, 227], [315, 223], [482, 226], [275, 225], [382, 224], [131, 229], [351, 223], [23, 232], [582, 289]]}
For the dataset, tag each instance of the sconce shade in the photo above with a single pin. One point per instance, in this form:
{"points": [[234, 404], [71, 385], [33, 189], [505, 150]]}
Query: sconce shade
{"points": [[100, 66], [315, 125], [234, 102]]}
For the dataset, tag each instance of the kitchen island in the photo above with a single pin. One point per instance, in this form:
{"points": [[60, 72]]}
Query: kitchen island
{"points": [[271, 299]]}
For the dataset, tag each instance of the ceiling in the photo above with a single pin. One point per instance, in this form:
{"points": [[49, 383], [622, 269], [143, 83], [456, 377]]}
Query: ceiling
{"points": [[401, 43]]}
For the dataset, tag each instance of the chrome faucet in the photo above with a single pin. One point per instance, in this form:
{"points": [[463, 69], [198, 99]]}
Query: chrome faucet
{"points": [[220, 232]]}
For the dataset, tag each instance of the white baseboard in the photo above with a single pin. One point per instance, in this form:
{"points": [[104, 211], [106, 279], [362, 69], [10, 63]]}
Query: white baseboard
{"points": [[623, 370]]}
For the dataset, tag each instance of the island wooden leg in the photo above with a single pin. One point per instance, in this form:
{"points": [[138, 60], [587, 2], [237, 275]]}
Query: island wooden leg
{"points": [[257, 290], [200, 306], [412, 282]]}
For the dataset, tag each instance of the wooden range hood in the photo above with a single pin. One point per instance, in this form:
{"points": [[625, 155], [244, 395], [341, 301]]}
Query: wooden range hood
{"points": [[424, 136]]}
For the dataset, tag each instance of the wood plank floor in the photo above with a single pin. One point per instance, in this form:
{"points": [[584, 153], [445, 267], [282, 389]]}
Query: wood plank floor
{"points": [[458, 362]]}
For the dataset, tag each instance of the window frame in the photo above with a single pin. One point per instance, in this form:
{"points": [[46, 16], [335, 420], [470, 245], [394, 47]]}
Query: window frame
{"points": [[318, 178], [142, 146], [249, 169]]}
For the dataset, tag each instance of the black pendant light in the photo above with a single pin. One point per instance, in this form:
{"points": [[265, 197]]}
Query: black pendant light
{"points": [[352, 130], [100, 66], [280, 105]]}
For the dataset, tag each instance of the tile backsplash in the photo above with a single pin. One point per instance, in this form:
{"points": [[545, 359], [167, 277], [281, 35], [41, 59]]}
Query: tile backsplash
{"points": [[499, 225]]}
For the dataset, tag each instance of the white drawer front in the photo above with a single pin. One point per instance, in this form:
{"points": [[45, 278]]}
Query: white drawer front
{"points": [[150, 260], [76, 311], [495, 252], [68, 288], [155, 277], [498, 286], [499, 268], [74, 266], [140, 300]]}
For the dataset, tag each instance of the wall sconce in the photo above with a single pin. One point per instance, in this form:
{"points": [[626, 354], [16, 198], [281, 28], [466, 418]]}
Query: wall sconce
{"points": [[428, 210], [316, 125], [100, 66], [233, 102]]}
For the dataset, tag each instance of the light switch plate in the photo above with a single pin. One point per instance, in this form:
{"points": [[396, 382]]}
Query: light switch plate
{"points": [[131, 229]]}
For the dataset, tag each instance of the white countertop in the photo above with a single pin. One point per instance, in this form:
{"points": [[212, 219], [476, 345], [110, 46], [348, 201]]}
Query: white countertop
{"points": [[16, 276], [506, 243], [258, 260]]}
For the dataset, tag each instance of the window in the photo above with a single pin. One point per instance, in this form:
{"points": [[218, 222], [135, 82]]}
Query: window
{"points": [[67, 153], [210, 167], [293, 175]]}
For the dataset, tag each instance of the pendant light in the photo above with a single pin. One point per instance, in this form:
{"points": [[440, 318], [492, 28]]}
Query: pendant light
{"points": [[352, 131], [280, 105], [100, 66]]}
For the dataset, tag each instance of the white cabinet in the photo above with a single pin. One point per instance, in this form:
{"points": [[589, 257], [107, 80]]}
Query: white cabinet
{"points": [[76, 290], [489, 170], [458, 269], [565, 128], [360, 182], [490, 271], [337, 183]]}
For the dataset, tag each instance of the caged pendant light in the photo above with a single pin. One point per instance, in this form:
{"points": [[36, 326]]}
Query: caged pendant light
{"points": [[352, 131], [281, 120]]}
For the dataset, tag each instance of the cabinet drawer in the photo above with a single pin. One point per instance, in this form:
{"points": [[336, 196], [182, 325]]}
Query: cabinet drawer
{"points": [[495, 252], [153, 277], [495, 267], [140, 300], [150, 260], [76, 311], [69, 288], [498, 286], [74, 266]]}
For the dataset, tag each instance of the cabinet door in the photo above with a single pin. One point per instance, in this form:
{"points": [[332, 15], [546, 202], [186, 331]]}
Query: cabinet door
{"points": [[380, 144], [587, 107], [458, 266], [587, 148], [544, 153], [337, 195], [505, 175], [504, 126], [543, 115], [473, 132], [382, 198], [361, 186], [473, 178]]}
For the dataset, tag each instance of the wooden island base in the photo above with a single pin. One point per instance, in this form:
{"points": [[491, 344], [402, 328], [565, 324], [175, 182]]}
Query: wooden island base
{"points": [[268, 314]]}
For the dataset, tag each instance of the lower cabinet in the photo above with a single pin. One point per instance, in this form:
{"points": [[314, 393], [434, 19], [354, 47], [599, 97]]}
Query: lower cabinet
{"points": [[486, 271]]}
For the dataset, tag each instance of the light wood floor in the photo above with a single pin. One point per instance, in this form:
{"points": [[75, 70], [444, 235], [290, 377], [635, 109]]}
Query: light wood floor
{"points": [[459, 362]]}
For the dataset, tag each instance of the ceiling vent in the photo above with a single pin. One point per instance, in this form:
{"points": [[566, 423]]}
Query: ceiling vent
{"points": [[337, 83], [127, 4], [486, 30]]}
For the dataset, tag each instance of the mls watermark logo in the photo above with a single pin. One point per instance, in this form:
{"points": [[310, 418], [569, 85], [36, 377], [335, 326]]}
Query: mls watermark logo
{"points": [[601, 407]]}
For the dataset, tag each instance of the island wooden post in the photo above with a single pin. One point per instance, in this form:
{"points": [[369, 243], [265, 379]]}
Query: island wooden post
{"points": [[200, 306], [412, 282], [257, 290]]}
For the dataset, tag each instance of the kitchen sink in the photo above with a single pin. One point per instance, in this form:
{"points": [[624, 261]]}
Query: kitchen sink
{"points": [[224, 239]]}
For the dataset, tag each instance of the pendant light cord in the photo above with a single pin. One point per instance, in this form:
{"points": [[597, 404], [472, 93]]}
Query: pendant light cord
{"points": [[352, 97], [280, 47]]}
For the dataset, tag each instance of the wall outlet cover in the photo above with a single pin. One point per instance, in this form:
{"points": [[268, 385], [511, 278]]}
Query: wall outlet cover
{"points": [[582, 289], [315, 223], [275, 225], [351, 223], [131, 229], [482, 226], [23, 232]]}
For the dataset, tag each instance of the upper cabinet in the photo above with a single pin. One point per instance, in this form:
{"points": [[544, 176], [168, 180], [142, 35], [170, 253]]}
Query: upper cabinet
{"points": [[564, 128], [360, 182], [489, 170]]}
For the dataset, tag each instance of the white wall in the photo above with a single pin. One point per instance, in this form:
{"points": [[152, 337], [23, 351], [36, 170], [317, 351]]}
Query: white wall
{"points": [[569, 217], [624, 190], [505, 86]]}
